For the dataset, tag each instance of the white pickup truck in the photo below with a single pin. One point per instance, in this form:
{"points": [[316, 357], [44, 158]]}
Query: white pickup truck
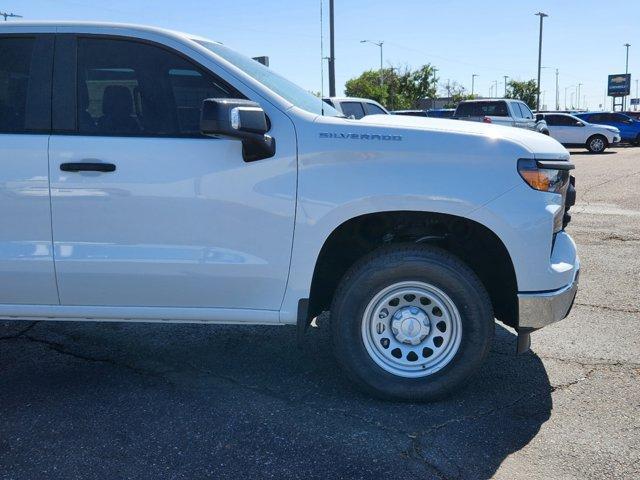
{"points": [[156, 176]]}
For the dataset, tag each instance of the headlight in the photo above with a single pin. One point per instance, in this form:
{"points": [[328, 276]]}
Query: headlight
{"points": [[545, 175]]}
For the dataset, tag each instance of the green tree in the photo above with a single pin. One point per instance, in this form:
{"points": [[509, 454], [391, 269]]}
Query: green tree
{"points": [[525, 91], [402, 87], [457, 93], [367, 85]]}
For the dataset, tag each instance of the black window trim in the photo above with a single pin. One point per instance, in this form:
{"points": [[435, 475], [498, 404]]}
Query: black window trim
{"points": [[42, 60], [65, 88]]}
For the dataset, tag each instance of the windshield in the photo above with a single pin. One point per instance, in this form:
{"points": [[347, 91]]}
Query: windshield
{"points": [[288, 90]]}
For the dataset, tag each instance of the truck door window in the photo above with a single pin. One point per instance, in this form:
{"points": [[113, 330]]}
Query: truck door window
{"points": [[374, 110], [15, 66], [352, 109], [517, 111], [526, 112], [132, 88]]}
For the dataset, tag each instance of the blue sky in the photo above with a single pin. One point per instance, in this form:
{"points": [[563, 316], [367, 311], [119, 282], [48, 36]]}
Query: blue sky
{"points": [[492, 38]]}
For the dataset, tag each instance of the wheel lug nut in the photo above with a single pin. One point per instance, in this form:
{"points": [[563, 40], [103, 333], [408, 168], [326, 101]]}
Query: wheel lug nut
{"points": [[414, 310]]}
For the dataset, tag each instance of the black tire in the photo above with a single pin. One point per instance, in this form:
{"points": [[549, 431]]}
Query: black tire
{"points": [[388, 266], [636, 142], [597, 143]]}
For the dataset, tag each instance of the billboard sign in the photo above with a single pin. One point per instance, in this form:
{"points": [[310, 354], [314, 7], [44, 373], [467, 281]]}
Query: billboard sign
{"points": [[619, 85]]}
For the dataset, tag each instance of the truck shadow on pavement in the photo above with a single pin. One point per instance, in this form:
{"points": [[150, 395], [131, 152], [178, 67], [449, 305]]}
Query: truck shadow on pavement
{"points": [[81, 400]]}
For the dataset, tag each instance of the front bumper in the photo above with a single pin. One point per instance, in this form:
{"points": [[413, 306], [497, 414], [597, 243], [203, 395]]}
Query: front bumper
{"points": [[537, 310], [616, 138]]}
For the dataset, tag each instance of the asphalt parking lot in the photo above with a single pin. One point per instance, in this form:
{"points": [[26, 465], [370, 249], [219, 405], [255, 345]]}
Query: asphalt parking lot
{"points": [[116, 401]]}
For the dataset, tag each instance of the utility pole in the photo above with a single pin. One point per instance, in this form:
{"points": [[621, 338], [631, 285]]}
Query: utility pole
{"points": [[379, 44], [473, 83], [332, 53], [578, 97], [636, 105], [541, 15], [505, 85], [557, 93], [626, 70], [11, 15]]}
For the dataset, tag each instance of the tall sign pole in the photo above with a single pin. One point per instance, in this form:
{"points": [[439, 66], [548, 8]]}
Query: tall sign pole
{"points": [[626, 70], [332, 53], [541, 15]]}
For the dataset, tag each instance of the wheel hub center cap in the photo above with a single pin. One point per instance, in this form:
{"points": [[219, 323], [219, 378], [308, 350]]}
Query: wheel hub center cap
{"points": [[410, 325]]}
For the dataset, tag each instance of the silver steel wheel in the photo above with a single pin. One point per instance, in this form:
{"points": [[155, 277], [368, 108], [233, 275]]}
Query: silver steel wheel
{"points": [[596, 145], [411, 329]]}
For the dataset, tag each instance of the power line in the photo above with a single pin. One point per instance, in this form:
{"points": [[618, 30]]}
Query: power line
{"points": [[6, 15]]}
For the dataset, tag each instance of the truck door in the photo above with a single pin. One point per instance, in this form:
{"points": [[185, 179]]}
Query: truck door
{"points": [[26, 256], [146, 210]]}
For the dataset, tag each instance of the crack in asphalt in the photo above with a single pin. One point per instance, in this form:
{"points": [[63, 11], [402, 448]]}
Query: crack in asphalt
{"points": [[416, 453], [20, 333], [596, 362], [63, 350], [614, 179], [609, 308]]}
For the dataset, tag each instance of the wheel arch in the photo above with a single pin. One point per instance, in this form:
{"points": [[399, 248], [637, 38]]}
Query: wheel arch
{"points": [[474, 243]]}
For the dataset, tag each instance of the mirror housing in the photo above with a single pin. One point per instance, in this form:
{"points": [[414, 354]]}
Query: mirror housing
{"points": [[240, 119]]}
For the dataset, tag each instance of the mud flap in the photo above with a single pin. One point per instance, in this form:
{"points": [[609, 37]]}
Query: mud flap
{"points": [[303, 320], [524, 341]]}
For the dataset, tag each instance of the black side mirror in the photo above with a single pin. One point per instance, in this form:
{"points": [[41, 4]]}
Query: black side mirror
{"points": [[241, 119]]}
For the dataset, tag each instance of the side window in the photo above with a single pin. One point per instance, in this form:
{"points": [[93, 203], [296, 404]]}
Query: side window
{"points": [[526, 112], [374, 109], [620, 118], [15, 75], [552, 120], [132, 88], [518, 110], [353, 109], [496, 109]]}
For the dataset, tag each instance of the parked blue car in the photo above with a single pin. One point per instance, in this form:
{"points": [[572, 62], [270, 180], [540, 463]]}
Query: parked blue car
{"points": [[629, 127]]}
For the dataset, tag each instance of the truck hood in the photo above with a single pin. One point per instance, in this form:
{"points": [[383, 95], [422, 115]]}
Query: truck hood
{"points": [[541, 146]]}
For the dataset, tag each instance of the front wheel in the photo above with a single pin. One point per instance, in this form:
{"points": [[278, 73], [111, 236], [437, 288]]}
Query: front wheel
{"points": [[411, 323], [597, 144]]}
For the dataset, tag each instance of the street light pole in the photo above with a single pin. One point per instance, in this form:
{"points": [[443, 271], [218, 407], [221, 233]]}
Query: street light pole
{"points": [[541, 15], [565, 95], [557, 93], [473, 83], [379, 44], [635, 107], [626, 70]]}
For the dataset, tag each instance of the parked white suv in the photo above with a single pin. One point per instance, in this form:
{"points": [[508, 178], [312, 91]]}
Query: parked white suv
{"points": [[572, 131], [155, 176], [500, 111], [354, 107]]}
